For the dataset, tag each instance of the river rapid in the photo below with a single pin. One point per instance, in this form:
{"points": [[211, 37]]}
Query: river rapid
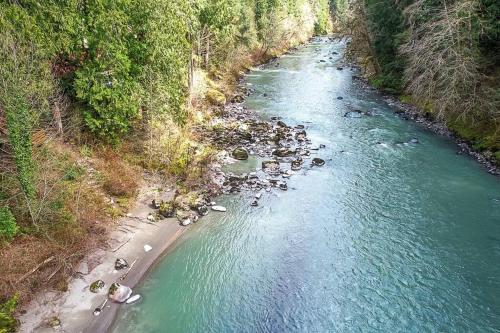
{"points": [[388, 236]]}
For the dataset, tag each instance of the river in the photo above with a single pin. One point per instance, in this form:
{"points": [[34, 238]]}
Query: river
{"points": [[388, 236]]}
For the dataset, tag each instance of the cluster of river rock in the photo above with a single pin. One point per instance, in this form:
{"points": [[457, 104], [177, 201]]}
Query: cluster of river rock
{"points": [[238, 134]]}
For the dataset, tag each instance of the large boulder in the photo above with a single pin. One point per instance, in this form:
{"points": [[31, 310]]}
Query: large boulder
{"points": [[167, 209], [245, 135], [240, 153], [119, 293], [97, 286], [281, 124], [202, 210]]}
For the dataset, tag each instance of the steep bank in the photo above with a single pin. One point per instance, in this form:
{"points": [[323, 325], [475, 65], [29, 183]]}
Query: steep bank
{"points": [[440, 57]]}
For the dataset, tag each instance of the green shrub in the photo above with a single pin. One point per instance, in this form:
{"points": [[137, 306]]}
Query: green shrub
{"points": [[8, 323], [25, 87], [8, 226]]}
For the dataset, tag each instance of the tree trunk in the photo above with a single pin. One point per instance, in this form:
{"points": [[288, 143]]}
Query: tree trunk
{"points": [[57, 118], [369, 38], [190, 77], [207, 52]]}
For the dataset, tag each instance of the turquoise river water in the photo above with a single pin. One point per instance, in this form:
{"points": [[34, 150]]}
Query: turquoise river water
{"points": [[386, 237]]}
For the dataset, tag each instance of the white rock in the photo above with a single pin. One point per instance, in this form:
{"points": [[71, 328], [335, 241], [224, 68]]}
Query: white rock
{"points": [[186, 222], [147, 248], [219, 208], [119, 293], [133, 299]]}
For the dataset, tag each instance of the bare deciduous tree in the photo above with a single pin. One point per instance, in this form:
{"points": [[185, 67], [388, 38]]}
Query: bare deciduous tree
{"points": [[442, 58]]}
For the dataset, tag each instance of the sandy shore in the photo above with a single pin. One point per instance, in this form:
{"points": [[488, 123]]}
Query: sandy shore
{"points": [[74, 308]]}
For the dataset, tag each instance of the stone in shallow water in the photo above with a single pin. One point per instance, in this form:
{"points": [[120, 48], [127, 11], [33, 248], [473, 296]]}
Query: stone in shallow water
{"points": [[353, 114], [240, 154], [119, 293], [414, 141], [219, 208], [318, 161], [297, 164]]}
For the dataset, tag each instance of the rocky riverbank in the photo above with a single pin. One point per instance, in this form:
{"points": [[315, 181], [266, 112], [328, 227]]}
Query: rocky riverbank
{"points": [[411, 112], [281, 150]]}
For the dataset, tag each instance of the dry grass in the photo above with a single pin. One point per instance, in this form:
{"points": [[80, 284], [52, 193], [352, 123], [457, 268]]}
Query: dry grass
{"points": [[44, 255], [119, 178], [68, 219]]}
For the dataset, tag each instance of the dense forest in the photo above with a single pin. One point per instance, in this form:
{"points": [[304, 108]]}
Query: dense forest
{"points": [[440, 55], [94, 93]]}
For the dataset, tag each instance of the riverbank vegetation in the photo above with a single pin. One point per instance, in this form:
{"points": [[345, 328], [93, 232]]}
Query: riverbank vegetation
{"points": [[442, 56], [95, 93]]}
